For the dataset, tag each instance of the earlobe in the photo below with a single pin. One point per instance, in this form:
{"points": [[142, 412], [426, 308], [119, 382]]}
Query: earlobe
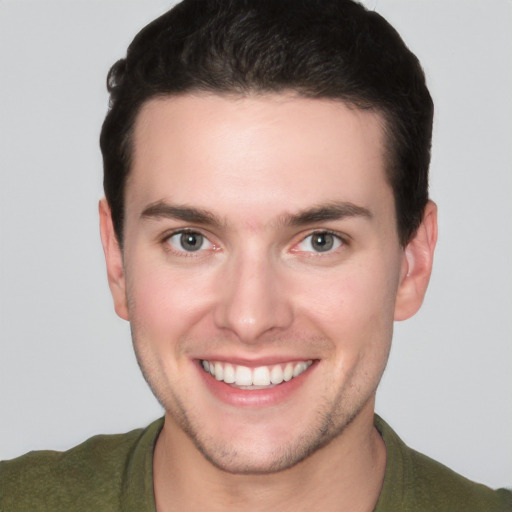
{"points": [[417, 265], [113, 260]]}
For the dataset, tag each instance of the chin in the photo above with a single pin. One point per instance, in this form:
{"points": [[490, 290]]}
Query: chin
{"points": [[263, 452], [254, 462]]}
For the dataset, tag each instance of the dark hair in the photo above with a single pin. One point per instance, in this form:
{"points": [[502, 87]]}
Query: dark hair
{"points": [[318, 48]]}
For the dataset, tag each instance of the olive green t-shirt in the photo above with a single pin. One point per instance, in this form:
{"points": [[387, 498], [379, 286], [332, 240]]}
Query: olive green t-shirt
{"points": [[115, 473]]}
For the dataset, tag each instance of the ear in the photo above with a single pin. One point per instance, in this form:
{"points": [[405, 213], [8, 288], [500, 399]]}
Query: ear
{"points": [[417, 265], [114, 260]]}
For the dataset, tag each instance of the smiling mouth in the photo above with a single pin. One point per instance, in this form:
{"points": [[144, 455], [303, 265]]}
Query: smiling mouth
{"points": [[260, 377]]}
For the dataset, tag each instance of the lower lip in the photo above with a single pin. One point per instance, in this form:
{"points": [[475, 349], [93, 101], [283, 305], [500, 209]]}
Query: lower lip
{"points": [[253, 397]]}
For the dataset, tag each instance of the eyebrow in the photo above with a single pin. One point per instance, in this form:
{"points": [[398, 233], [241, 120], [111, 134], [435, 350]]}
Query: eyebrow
{"points": [[162, 209], [319, 213], [326, 212]]}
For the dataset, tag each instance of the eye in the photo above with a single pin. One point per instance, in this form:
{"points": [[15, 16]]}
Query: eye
{"points": [[321, 241], [188, 241]]}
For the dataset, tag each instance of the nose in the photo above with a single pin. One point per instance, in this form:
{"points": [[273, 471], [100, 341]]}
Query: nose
{"points": [[252, 298]]}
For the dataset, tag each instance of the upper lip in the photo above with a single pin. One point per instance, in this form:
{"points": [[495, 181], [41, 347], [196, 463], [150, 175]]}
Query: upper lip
{"points": [[253, 362]]}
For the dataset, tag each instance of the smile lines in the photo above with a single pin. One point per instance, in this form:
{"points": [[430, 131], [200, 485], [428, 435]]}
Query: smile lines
{"points": [[260, 376]]}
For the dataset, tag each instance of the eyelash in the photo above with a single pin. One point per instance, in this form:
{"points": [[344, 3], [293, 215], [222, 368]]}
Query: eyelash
{"points": [[342, 240], [165, 241]]}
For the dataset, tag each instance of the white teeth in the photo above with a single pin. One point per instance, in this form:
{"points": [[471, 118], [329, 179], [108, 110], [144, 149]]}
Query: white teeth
{"points": [[219, 371], [299, 368], [229, 374], [288, 372], [260, 376], [276, 374], [243, 376]]}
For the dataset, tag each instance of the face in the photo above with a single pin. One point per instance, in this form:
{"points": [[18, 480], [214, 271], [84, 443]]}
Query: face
{"points": [[261, 271]]}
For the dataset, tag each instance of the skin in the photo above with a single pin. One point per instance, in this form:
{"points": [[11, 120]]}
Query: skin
{"points": [[258, 291]]}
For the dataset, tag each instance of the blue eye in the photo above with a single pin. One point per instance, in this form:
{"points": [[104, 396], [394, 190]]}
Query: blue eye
{"points": [[321, 241], [189, 241]]}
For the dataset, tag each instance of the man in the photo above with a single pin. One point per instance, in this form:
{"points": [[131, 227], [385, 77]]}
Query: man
{"points": [[266, 220]]}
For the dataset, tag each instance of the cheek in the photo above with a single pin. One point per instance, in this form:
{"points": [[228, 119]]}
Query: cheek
{"points": [[166, 301], [355, 304], [358, 295]]}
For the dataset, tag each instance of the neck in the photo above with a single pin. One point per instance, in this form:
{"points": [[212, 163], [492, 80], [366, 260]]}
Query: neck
{"points": [[346, 474]]}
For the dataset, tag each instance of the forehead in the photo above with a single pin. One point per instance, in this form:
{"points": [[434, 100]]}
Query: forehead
{"points": [[279, 151]]}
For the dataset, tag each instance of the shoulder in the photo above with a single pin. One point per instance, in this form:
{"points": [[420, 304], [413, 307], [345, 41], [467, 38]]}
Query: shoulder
{"points": [[435, 483], [415, 482], [86, 477]]}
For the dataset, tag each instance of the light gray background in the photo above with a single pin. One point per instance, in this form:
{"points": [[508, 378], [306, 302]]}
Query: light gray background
{"points": [[67, 370]]}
